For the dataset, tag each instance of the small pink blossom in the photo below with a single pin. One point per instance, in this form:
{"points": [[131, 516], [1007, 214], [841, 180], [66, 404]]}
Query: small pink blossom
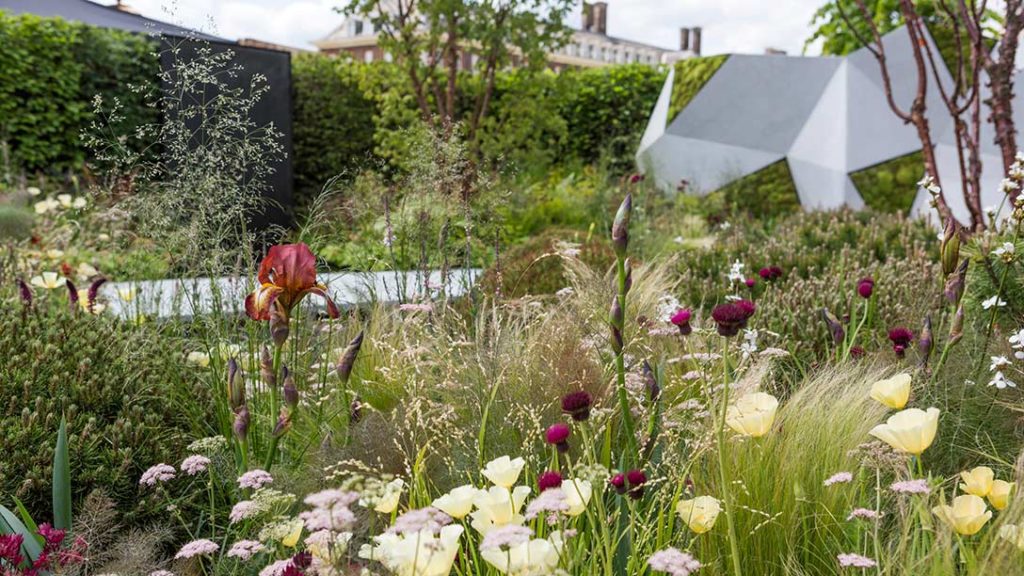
{"points": [[255, 479], [195, 464], [550, 500], [864, 514], [244, 510], [156, 474], [277, 568], [415, 307], [911, 487], [674, 562], [201, 547], [507, 536], [245, 549], [856, 561], [839, 478]]}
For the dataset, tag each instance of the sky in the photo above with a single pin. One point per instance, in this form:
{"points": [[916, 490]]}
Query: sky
{"points": [[730, 26]]}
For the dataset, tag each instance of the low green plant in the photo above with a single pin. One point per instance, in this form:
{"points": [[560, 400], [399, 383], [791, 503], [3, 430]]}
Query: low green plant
{"points": [[15, 223]]}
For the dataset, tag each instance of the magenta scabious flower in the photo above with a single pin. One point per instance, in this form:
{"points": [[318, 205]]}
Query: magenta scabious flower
{"points": [[681, 320], [856, 561], [732, 317], [900, 338], [577, 405], [245, 549], [558, 436], [255, 479], [201, 547], [865, 287], [548, 480], [636, 479], [674, 562], [157, 474]]}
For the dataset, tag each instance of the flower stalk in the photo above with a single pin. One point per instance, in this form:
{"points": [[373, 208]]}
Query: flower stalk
{"points": [[620, 242]]}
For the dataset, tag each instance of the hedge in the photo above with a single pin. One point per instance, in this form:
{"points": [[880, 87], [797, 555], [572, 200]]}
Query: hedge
{"points": [[691, 75], [890, 186], [50, 72]]}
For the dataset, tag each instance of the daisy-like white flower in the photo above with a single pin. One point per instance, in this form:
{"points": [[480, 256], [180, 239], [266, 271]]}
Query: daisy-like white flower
{"points": [[839, 478], [1017, 342], [1006, 250], [736, 273], [929, 184], [1001, 382], [993, 302]]}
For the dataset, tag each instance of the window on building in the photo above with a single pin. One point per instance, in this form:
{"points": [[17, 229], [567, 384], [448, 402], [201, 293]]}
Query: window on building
{"points": [[590, 51], [357, 27]]}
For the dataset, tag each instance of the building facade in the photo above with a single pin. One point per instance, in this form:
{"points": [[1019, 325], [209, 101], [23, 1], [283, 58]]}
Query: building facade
{"points": [[589, 47]]}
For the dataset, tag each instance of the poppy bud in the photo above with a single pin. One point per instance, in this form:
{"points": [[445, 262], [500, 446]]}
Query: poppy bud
{"points": [[835, 327], [236, 385], [267, 368], [291, 393], [949, 249], [348, 357], [620, 226], [278, 326], [241, 425]]}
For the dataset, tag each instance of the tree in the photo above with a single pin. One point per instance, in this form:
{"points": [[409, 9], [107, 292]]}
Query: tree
{"points": [[428, 38]]}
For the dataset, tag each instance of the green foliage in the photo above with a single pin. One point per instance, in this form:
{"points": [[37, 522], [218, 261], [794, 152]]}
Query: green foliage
{"points": [[526, 128], [62, 480], [50, 71], [15, 223], [691, 75], [122, 389], [892, 185], [332, 122], [767, 193]]}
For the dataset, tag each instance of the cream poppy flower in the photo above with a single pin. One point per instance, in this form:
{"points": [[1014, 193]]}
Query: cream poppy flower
{"points": [[892, 392], [54, 254], [64, 199], [577, 495], [503, 471], [699, 513], [457, 503], [388, 501], [79, 202], [86, 271], [44, 206], [753, 414], [978, 481], [498, 506], [967, 514], [196, 358], [48, 280], [33, 191], [538, 556], [911, 430], [1013, 534], [999, 496]]}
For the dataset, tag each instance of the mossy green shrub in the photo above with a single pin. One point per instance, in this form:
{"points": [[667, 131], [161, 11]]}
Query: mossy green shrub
{"points": [[890, 186], [767, 193], [15, 223], [332, 119], [129, 398], [691, 75], [50, 72], [535, 267]]}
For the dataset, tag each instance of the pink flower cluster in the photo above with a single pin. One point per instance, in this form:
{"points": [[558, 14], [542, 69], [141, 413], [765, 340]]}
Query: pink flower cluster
{"points": [[855, 561], [195, 464], [508, 536], [674, 562], [255, 479], [415, 521], [839, 478], [245, 549], [201, 547], [157, 474], [910, 487], [330, 511]]}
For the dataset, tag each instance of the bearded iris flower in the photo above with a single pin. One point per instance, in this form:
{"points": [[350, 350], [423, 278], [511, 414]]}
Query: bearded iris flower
{"points": [[287, 274]]}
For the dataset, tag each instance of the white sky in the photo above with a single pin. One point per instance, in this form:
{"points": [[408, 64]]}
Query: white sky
{"points": [[739, 26]]}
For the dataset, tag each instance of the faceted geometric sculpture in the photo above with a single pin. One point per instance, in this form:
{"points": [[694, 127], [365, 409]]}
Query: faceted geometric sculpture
{"points": [[826, 117]]}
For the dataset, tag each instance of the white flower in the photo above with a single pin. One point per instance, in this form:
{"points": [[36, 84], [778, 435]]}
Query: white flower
{"points": [[928, 183], [1006, 249], [48, 280], [503, 471], [993, 301], [749, 345], [200, 359], [498, 506], [1000, 381], [33, 191], [64, 200], [44, 206], [419, 554], [577, 495], [86, 271], [736, 272], [991, 210], [79, 202], [457, 503], [388, 502], [536, 557], [999, 362], [667, 306]]}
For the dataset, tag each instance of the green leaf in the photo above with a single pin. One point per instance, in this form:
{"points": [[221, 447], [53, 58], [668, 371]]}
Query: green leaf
{"points": [[62, 480], [9, 524], [27, 519]]}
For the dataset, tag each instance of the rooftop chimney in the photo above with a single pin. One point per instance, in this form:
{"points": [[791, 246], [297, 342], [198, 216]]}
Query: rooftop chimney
{"points": [[696, 41], [600, 15], [684, 39]]}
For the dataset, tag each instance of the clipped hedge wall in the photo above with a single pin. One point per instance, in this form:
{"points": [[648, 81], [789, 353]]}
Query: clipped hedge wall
{"points": [[50, 72], [691, 75], [890, 186]]}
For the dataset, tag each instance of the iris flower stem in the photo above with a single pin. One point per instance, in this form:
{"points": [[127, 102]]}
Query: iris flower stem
{"points": [[272, 452], [723, 474], [620, 369]]}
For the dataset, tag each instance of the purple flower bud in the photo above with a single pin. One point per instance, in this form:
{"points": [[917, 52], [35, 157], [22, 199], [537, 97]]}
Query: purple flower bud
{"points": [[279, 328], [291, 393], [924, 341], [650, 383], [617, 343], [26, 293], [636, 479], [94, 290], [620, 226], [954, 289], [619, 483], [236, 385], [241, 425], [865, 287], [284, 423], [267, 368], [348, 358], [72, 293], [835, 327]]}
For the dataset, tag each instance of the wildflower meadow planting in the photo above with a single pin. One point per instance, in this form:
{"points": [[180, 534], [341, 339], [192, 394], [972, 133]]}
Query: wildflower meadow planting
{"points": [[448, 362]]}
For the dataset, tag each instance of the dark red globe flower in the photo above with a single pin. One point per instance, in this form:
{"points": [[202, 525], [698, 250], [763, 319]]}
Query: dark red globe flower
{"points": [[577, 405], [636, 479], [729, 318], [865, 286], [900, 338], [549, 479], [748, 309], [857, 352], [770, 273], [619, 483], [681, 319], [558, 435], [287, 274], [750, 282]]}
